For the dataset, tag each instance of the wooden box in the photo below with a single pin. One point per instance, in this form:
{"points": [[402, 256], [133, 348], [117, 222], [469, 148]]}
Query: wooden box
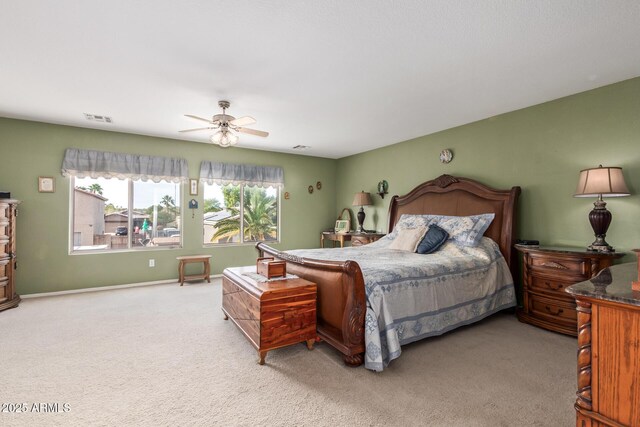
{"points": [[269, 268], [271, 314]]}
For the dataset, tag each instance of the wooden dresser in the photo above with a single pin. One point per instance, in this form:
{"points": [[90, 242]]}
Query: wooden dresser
{"points": [[608, 348], [546, 273], [8, 263], [271, 314]]}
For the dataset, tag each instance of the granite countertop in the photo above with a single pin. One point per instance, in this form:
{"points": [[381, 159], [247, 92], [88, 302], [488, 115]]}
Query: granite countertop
{"points": [[567, 249], [612, 284]]}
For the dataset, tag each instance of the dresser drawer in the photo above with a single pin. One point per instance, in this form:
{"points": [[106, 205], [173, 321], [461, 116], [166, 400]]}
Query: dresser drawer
{"points": [[577, 267], [550, 308]]}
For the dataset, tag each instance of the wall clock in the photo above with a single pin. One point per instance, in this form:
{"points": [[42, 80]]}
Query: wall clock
{"points": [[446, 156]]}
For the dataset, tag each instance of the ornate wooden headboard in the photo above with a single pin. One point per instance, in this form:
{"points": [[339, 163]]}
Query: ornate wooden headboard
{"points": [[456, 196]]}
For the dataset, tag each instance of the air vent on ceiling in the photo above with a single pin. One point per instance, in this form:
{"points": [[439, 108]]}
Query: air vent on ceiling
{"points": [[98, 118], [301, 147]]}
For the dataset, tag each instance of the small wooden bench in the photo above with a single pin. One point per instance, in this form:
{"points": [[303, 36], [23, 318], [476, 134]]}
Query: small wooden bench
{"points": [[187, 259]]}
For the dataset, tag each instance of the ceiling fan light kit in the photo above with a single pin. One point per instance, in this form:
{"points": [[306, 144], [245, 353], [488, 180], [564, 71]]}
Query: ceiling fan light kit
{"points": [[226, 127], [224, 138]]}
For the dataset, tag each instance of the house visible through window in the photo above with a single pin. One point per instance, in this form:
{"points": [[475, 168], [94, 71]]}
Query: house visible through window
{"points": [[112, 214], [123, 200], [240, 213]]}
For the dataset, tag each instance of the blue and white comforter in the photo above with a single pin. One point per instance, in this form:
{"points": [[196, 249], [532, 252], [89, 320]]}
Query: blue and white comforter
{"points": [[412, 296]]}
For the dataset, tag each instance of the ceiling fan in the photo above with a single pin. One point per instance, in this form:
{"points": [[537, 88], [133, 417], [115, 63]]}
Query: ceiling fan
{"points": [[226, 125]]}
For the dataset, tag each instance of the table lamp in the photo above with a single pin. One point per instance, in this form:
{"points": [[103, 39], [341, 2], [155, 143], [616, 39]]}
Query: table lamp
{"points": [[601, 182], [361, 199]]}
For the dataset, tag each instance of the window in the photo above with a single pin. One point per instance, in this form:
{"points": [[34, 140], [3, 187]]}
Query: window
{"points": [[139, 209], [113, 214], [240, 213]]}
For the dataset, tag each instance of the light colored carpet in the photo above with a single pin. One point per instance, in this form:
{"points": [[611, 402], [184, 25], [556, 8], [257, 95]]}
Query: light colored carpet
{"points": [[163, 355]]}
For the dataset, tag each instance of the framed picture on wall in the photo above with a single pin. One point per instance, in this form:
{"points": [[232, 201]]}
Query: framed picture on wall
{"points": [[193, 187], [342, 226], [46, 184]]}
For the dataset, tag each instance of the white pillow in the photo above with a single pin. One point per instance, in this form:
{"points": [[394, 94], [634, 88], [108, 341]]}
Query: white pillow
{"points": [[408, 239]]}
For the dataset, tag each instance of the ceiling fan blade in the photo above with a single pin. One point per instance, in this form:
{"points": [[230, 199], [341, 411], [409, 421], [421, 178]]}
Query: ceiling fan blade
{"points": [[243, 121], [198, 118], [193, 130], [254, 132]]}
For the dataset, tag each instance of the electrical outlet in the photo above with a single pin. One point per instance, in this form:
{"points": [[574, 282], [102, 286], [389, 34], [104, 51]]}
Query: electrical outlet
{"points": [[152, 263]]}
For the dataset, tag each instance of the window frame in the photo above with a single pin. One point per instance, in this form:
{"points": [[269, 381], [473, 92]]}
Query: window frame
{"points": [[242, 241], [129, 248]]}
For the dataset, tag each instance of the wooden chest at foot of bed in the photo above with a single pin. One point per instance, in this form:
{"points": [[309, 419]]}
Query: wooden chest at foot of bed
{"points": [[271, 314]]}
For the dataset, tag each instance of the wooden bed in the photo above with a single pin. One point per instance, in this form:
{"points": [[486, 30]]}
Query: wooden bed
{"points": [[341, 292]]}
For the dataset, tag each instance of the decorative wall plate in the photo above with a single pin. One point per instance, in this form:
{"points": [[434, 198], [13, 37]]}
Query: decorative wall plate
{"points": [[446, 156], [286, 195], [319, 185], [310, 189]]}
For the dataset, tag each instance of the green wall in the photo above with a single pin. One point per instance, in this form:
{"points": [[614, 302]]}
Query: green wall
{"points": [[540, 148], [31, 149]]}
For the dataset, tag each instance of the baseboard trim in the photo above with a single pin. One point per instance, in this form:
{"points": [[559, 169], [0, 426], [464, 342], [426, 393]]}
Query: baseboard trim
{"points": [[107, 288]]}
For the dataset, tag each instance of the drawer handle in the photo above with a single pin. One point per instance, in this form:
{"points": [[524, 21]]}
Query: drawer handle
{"points": [[558, 311], [550, 286]]}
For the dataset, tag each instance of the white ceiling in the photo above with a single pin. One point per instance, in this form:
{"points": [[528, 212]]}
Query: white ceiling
{"points": [[340, 76]]}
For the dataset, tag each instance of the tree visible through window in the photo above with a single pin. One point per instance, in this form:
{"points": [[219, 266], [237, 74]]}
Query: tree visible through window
{"points": [[235, 214], [103, 219]]}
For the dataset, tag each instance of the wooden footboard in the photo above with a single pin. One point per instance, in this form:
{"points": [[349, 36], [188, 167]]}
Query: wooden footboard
{"points": [[341, 300]]}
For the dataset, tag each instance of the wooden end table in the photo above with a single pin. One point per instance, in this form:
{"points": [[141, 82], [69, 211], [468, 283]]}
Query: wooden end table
{"points": [[188, 259]]}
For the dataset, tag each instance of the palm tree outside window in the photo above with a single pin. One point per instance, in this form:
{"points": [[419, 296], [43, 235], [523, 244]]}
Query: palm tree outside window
{"points": [[240, 214]]}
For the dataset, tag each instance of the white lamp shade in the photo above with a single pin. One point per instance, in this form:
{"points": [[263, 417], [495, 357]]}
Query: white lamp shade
{"points": [[601, 181]]}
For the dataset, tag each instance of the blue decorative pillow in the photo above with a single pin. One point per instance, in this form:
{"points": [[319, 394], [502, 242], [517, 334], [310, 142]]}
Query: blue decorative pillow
{"points": [[432, 241]]}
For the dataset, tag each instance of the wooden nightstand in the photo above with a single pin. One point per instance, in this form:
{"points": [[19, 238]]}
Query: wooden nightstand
{"points": [[547, 271], [271, 314], [359, 239]]}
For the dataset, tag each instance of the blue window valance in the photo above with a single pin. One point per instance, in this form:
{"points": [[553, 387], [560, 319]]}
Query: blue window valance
{"points": [[229, 173], [104, 164]]}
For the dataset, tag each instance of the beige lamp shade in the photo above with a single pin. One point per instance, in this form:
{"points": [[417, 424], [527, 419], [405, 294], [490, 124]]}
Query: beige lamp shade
{"points": [[601, 181], [362, 199]]}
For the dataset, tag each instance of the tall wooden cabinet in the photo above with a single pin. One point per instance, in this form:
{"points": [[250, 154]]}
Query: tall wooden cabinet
{"points": [[608, 348], [8, 212]]}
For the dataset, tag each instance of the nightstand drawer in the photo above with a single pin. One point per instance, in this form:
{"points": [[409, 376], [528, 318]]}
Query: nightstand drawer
{"points": [[555, 287], [566, 266], [553, 309], [359, 241], [364, 239]]}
